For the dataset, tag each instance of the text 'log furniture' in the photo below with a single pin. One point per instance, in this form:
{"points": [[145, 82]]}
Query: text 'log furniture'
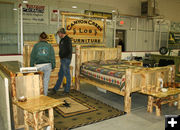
{"points": [[138, 79]]}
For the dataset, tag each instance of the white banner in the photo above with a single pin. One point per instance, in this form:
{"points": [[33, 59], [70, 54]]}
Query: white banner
{"points": [[37, 14]]}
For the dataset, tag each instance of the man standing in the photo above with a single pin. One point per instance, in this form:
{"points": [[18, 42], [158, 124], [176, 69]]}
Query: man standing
{"points": [[65, 54]]}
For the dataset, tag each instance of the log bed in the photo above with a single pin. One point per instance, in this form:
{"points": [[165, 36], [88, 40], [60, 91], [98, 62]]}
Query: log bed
{"points": [[144, 80]]}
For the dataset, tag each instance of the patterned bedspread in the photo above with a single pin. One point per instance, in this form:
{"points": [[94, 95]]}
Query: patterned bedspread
{"points": [[110, 72]]}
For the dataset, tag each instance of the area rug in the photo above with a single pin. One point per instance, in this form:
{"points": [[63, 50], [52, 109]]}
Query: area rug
{"points": [[74, 107], [94, 111]]}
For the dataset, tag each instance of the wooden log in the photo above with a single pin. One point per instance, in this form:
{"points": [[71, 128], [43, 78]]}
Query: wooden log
{"points": [[51, 118], [26, 120], [35, 121], [13, 87], [103, 86], [104, 34], [77, 70], [143, 82], [173, 73], [128, 87], [171, 103], [178, 101], [119, 53], [71, 73], [41, 84], [63, 21], [41, 119], [158, 111], [150, 104], [15, 116], [82, 15], [158, 83]]}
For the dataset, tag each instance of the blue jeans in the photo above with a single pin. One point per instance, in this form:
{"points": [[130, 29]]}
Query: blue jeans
{"points": [[64, 71], [47, 72]]}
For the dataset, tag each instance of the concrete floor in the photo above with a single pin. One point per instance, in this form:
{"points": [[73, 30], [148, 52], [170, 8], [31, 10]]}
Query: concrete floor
{"points": [[138, 119]]}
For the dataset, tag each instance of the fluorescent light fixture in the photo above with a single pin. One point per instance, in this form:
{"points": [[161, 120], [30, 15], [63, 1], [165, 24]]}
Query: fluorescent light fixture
{"points": [[74, 7], [14, 9], [25, 1], [113, 11]]}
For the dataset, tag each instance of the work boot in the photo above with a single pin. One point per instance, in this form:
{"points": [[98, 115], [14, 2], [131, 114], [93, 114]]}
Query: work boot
{"points": [[52, 92]]}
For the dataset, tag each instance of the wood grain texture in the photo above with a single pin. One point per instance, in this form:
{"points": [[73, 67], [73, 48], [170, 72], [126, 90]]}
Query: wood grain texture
{"points": [[35, 120], [82, 15], [103, 86], [160, 94], [39, 103], [150, 104], [25, 120], [77, 65], [179, 101], [128, 86], [51, 118]]}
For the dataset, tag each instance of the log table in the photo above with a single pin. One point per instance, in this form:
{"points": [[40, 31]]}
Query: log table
{"points": [[34, 111], [160, 98]]}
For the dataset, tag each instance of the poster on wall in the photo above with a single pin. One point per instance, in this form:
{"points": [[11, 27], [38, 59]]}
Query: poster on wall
{"points": [[35, 14], [54, 16], [85, 30], [53, 13]]}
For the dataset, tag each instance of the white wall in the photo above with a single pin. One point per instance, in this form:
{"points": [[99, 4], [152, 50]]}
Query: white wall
{"points": [[11, 58], [167, 8], [145, 41]]}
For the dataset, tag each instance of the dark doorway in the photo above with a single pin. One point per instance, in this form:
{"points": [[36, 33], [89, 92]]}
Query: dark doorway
{"points": [[120, 38]]}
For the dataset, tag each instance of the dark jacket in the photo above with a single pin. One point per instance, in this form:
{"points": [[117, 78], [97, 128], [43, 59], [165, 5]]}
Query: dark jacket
{"points": [[43, 52], [65, 48]]}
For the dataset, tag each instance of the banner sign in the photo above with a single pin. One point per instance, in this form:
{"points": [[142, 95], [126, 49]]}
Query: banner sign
{"points": [[35, 14], [85, 30]]}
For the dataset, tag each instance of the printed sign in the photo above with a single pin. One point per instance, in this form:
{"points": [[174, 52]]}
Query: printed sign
{"points": [[35, 14], [85, 30]]}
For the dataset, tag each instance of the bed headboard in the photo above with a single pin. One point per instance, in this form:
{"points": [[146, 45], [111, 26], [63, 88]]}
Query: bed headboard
{"points": [[88, 54]]}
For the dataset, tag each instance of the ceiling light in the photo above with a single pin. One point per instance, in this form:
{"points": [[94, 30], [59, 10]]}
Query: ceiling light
{"points": [[14, 9], [25, 1], [74, 7], [113, 11]]}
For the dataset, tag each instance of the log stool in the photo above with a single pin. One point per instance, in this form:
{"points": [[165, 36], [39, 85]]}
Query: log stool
{"points": [[34, 112], [160, 98]]}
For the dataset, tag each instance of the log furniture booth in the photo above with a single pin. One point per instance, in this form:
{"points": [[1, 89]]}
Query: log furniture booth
{"points": [[31, 111], [102, 67]]}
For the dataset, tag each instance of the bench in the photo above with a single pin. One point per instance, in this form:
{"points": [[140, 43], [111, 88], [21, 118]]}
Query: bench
{"points": [[160, 98]]}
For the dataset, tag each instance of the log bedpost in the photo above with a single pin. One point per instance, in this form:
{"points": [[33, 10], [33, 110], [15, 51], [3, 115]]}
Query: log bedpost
{"points": [[128, 87], [77, 66], [119, 52], [41, 84], [178, 101], [150, 104]]}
